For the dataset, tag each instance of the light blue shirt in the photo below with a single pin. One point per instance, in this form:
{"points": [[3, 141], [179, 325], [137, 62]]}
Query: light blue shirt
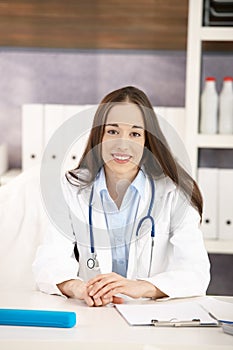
{"points": [[120, 222]]}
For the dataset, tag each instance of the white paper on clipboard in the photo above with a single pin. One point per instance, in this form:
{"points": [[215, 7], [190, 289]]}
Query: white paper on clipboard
{"points": [[143, 314]]}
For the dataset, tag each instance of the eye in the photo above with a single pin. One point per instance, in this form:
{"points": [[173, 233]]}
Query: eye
{"points": [[135, 134], [112, 132]]}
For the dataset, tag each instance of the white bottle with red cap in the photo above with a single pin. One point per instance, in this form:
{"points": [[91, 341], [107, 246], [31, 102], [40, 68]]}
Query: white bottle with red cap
{"points": [[226, 107], [209, 107]]}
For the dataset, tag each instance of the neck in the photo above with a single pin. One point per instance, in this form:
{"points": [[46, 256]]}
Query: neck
{"points": [[117, 184]]}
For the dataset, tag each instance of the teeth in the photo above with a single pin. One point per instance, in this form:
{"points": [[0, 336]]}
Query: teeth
{"points": [[121, 157]]}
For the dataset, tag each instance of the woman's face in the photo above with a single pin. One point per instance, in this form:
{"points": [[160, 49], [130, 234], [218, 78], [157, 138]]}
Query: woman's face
{"points": [[123, 140]]}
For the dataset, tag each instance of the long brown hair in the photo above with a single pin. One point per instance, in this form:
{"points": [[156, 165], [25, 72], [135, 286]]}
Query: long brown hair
{"points": [[157, 158]]}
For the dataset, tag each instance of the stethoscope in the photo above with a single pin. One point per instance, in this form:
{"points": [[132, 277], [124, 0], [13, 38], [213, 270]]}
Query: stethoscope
{"points": [[92, 262]]}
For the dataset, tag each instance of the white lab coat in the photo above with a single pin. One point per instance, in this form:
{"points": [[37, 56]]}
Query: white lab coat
{"points": [[180, 265]]}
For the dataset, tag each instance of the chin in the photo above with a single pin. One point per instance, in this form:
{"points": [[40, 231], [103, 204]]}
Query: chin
{"points": [[121, 169]]}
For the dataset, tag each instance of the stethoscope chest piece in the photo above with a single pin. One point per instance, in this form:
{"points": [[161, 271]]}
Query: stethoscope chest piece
{"points": [[92, 263]]}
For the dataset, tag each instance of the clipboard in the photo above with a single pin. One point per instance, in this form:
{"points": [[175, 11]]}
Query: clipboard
{"points": [[178, 314]]}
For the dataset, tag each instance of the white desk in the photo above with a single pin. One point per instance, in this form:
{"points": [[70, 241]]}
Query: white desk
{"points": [[100, 328]]}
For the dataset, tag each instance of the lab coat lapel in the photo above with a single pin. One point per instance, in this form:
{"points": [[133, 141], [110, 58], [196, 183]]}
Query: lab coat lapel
{"points": [[162, 186], [101, 236], [135, 248]]}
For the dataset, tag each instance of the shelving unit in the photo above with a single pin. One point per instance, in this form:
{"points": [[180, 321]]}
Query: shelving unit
{"points": [[221, 247], [215, 33], [214, 141], [197, 34]]}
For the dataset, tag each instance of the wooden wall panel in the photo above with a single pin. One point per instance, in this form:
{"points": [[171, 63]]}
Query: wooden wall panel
{"points": [[94, 24]]}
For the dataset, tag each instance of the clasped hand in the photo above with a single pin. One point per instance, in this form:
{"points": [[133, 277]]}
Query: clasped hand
{"points": [[102, 289]]}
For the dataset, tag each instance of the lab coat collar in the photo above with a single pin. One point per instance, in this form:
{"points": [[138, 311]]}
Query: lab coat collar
{"points": [[163, 186]]}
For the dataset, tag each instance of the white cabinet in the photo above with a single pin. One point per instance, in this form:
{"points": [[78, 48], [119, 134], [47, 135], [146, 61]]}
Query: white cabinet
{"points": [[226, 204], [208, 183], [32, 134], [197, 34]]}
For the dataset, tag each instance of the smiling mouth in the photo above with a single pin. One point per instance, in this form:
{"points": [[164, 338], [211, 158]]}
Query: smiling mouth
{"points": [[121, 158]]}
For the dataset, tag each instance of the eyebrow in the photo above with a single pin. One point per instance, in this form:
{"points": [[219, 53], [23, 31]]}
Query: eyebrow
{"points": [[133, 127]]}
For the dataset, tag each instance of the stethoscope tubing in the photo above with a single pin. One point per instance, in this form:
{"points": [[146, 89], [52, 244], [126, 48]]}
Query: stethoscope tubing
{"points": [[92, 243], [91, 262]]}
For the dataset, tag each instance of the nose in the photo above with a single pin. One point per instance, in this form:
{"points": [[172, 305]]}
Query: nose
{"points": [[123, 143]]}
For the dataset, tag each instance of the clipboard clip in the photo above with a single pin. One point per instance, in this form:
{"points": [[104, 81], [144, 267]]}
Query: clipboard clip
{"points": [[176, 323]]}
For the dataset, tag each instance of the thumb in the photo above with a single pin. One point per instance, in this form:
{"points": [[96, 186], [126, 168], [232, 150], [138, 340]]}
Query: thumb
{"points": [[117, 300]]}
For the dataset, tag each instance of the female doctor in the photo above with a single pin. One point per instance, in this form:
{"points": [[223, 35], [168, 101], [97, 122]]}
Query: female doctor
{"points": [[142, 212]]}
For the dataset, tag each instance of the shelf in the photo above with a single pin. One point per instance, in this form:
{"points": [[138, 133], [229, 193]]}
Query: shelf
{"points": [[214, 141], [9, 175], [219, 246], [216, 34]]}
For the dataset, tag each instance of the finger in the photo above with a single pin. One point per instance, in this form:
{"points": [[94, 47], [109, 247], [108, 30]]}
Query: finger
{"points": [[109, 290], [97, 301], [89, 289], [94, 280], [101, 292], [114, 291], [106, 301], [100, 277], [98, 286], [89, 301], [95, 289]]}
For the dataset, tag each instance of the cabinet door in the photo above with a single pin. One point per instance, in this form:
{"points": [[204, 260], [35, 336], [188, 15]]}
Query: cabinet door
{"points": [[32, 134], [208, 182], [81, 113], [3, 158], [53, 118], [226, 203]]}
